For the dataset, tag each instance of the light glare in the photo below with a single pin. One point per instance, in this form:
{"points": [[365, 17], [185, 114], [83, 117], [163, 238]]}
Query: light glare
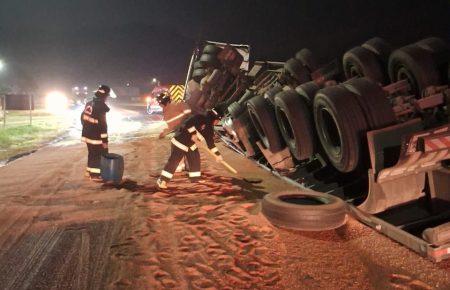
{"points": [[56, 102]]}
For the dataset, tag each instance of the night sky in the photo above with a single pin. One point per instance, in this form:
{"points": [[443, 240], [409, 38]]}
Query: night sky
{"points": [[61, 43]]}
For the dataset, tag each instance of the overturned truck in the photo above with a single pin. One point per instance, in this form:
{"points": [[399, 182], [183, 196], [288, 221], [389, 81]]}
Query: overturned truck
{"points": [[367, 136]]}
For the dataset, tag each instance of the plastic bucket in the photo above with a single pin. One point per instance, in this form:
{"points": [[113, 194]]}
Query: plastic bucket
{"points": [[111, 167]]}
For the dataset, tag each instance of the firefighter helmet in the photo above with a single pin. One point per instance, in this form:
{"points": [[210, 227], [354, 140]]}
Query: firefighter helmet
{"points": [[102, 91], [163, 99]]}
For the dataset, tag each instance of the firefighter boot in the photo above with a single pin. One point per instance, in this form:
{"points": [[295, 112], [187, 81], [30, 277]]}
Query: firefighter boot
{"points": [[161, 184]]}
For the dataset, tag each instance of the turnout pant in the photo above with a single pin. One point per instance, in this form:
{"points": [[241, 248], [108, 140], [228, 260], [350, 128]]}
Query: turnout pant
{"points": [[95, 152], [193, 160]]}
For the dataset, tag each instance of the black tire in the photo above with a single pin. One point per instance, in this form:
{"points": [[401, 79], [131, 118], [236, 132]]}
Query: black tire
{"points": [[416, 65], [308, 91], [198, 64], [440, 52], [211, 49], [304, 210], [380, 47], [209, 60], [434, 45], [360, 62], [373, 102], [262, 115], [340, 126], [235, 110], [271, 93], [295, 123], [252, 135], [306, 58], [198, 74], [296, 69]]}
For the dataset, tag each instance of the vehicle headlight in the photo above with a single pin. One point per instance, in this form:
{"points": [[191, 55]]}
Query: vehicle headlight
{"points": [[56, 102]]}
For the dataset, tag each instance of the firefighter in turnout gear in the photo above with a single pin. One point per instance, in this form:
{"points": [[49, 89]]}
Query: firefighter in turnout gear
{"points": [[195, 129], [95, 130], [173, 113]]}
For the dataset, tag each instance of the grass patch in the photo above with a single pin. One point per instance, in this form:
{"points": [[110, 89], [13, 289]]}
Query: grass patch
{"points": [[18, 136]]}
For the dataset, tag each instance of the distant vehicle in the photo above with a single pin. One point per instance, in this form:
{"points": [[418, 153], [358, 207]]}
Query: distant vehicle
{"points": [[79, 95], [176, 93], [152, 106]]}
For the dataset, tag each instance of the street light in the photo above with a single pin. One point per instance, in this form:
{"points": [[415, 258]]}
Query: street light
{"points": [[2, 64], [155, 82]]}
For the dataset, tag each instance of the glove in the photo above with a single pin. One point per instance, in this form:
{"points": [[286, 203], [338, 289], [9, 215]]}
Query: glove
{"points": [[194, 138], [105, 147]]}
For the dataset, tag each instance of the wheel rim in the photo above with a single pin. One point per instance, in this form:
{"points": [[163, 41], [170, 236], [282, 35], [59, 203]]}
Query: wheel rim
{"points": [[258, 127], [354, 72], [286, 127], [329, 131]]}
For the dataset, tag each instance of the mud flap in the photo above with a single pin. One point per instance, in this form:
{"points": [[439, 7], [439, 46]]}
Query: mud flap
{"points": [[383, 195], [421, 154]]}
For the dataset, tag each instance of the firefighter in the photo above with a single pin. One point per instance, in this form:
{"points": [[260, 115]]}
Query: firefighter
{"points": [[195, 129], [173, 114], [95, 130]]}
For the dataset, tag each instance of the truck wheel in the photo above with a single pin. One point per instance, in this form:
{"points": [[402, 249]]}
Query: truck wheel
{"points": [[235, 109], [198, 64], [271, 93], [247, 96], [340, 125], [435, 45], [304, 210], [262, 115], [308, 91], [209, 60], [360, 62], [415, 65], [296, 69], [198, 74], [380, 47], [373, 102], [306, 58], [294, 120], [211, 49]]}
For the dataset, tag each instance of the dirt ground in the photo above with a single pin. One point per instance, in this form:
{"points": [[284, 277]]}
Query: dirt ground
{"points": [[59, 230]]}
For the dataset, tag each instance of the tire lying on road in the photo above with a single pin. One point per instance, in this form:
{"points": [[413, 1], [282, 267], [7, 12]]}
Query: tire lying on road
{"points": [[304, 210]]}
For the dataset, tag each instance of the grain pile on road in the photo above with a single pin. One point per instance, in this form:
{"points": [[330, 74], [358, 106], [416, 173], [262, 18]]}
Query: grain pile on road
{"points": [[61, 231]]}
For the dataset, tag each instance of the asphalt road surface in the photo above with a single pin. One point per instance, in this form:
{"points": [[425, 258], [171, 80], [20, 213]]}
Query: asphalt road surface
{"points": [[59, 230]]}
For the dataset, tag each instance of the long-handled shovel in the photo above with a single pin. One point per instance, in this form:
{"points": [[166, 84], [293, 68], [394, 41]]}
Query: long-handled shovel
{"points": [[225, 164]]}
